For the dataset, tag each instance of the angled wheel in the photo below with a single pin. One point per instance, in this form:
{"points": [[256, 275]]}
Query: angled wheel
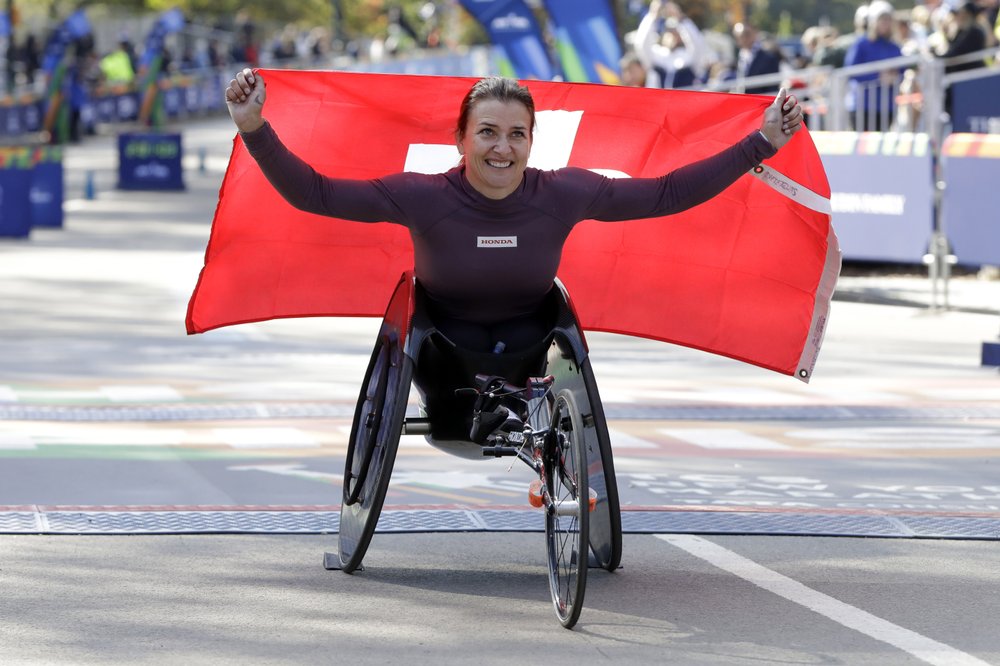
{"points": [[371, 452], [567, 513], [606, 518]]}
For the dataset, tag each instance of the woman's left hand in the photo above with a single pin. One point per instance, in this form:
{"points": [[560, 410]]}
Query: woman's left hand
{"points": [[782, 119]]}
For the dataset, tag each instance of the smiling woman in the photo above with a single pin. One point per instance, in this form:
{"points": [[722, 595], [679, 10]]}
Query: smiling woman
{"points": [[496, 125], [496, 147]]}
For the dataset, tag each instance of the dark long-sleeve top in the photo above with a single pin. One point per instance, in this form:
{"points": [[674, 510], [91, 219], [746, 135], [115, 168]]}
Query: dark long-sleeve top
{"points": [[485, 260]]}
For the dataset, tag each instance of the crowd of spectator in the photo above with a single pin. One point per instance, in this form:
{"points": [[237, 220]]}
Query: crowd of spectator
{"points": [[668, 50]]}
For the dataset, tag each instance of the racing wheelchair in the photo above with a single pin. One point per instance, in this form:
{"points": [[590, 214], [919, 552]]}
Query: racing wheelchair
{"points": [[540, 405]]}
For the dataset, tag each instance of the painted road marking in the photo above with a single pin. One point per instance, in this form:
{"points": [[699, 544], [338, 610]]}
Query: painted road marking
{"points": [[74, 434], [918, 645], [723, 438], [265, 438], [900, 437], [743, 396], [140, 393], [623, 440], [16, 441]]}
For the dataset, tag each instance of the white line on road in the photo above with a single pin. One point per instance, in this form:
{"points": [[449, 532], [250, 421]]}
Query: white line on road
{"points": [[723, 438], [921, 647]]}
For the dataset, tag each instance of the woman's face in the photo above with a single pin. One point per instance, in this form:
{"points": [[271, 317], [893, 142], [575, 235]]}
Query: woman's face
{"points": [[496, 146]]}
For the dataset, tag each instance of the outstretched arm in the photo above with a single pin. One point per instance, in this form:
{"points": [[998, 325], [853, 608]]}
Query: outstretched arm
{"points": [[697, 182], [298, 182]]}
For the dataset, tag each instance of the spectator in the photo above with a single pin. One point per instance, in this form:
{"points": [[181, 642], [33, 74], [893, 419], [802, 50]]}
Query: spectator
{"points": [[827, 52], [835, 52], [116, 67], [675, 59], [32, 56], [871, 96], [967, 36], [633, 73], [755, 59], [908, 33], [285, 45]]}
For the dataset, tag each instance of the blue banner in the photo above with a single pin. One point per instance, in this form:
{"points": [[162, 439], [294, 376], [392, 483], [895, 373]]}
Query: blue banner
{"points": [[586, 40], [15, 187], [74, 27], [879, 218], [975, 105], [150, 162], [168, 22], [47, 189], [968, 209], [513, 28]]}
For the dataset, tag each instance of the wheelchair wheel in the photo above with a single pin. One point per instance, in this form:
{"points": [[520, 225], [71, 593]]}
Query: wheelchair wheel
{"points": [[371, 452], [568, 515], [606, 519]]}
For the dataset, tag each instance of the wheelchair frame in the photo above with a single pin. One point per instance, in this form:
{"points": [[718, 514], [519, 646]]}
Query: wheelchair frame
{"points": [[380, 418]]}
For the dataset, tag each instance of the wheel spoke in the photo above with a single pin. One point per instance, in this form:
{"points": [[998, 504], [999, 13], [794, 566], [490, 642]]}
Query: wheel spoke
{"points": [[566, 518]]}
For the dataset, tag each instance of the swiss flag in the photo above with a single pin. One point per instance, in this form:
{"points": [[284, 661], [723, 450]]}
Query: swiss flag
{"points": [[748, 274]]}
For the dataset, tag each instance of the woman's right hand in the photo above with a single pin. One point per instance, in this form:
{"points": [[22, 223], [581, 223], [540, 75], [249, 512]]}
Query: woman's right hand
{"points": [[245, 97]]}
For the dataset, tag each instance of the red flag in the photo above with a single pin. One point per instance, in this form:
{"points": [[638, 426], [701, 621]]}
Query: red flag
{"points": [[748, 274]]}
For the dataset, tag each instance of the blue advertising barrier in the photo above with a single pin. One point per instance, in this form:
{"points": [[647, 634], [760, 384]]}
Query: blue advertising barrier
{"points": [[975, 105], [20, 118], [971, 168], [150, 162], [880, 218], [15, 185], [47, 188]]}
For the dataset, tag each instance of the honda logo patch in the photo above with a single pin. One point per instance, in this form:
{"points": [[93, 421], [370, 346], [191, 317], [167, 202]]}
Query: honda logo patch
{"points": [[497, 241]]}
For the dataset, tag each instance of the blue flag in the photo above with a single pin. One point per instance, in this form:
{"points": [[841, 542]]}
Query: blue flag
{"points": [[74, 27], [586, 39], [513, 28], [169, 21]]}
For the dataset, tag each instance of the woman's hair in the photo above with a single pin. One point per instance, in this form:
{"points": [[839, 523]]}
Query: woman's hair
{"points": [[494, 87]]}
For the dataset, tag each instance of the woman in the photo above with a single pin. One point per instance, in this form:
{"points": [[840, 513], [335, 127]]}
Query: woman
{"points": [[871, 97], [488, 234]]}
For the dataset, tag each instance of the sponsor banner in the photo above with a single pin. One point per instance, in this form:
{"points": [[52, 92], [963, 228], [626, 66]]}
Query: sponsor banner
{"points": [[20, 118], [511, 26], [47, 190], [586, 40], [879, 218], [150, 162], [970, 164], [168, 22], [477, 62], [15, 185], [74, 27], [975, 105]]}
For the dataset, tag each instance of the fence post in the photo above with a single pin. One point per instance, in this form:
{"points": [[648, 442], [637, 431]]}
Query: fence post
{"points": [[838, 93]]}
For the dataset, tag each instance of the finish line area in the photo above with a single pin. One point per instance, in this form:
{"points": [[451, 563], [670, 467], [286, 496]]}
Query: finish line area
{"points": [[324, 520]]}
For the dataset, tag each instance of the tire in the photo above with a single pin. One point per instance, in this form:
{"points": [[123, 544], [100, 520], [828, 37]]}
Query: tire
{"points": [[371, 452], [606, 518], [567, 515]]}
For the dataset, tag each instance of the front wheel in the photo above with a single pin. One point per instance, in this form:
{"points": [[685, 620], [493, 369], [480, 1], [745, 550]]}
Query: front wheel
{"points": [[567, 514], [378, 423]]}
